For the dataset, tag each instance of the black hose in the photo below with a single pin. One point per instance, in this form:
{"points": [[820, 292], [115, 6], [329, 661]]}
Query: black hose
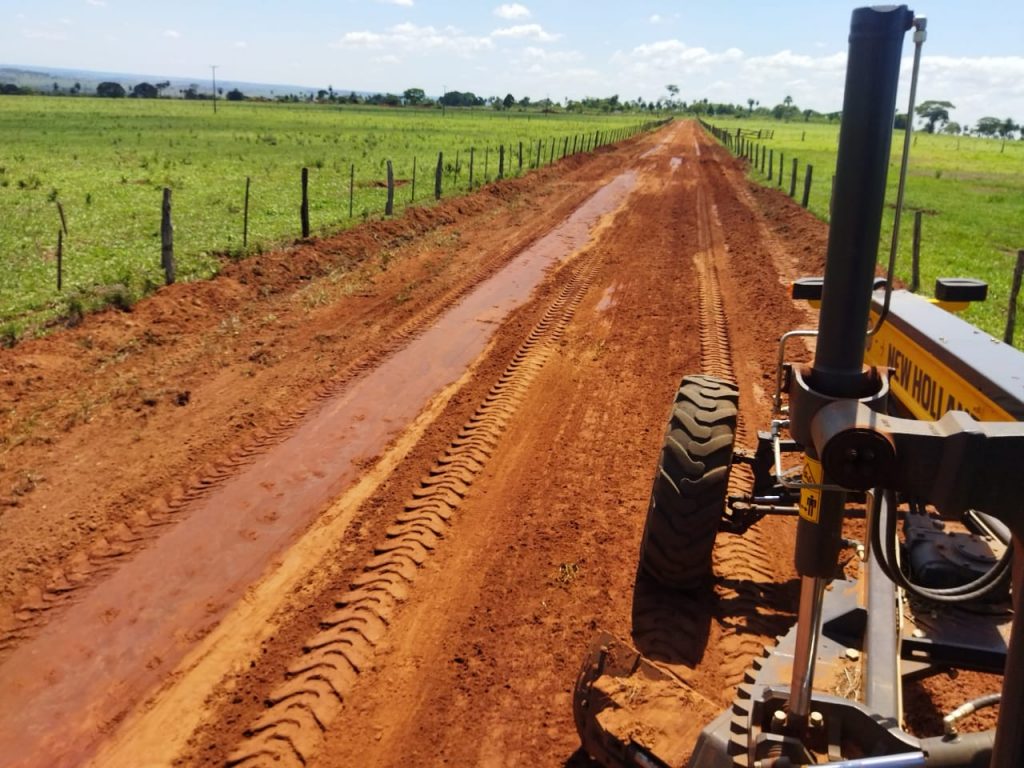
{"points": [[885, 543]]}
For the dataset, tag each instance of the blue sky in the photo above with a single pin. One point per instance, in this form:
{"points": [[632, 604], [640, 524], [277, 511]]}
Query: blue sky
{"points": [[719, 49]]}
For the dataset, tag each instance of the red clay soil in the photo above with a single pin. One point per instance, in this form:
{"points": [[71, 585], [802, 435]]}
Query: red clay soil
{"points": [[116, 431]]}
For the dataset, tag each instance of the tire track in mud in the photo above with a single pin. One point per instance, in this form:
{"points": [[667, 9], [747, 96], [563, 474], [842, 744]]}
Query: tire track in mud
{"points": [[301, 710], [88, 565], [672, 627], [746, 589], [739, 561]]}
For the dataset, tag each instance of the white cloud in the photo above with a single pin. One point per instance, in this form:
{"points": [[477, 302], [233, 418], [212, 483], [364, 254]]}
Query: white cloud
{"points": [[983, 86], [65, 21], [527, 31], [241, 44], [532, 56], [172, 33], [387, 59], [674, 57], [512, 11], [97, 3], [655, 18], [403, 3], [49, 35], [411, 38]]}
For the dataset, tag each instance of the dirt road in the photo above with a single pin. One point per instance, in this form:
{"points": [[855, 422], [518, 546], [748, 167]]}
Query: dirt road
{"points": [[365, 501]]}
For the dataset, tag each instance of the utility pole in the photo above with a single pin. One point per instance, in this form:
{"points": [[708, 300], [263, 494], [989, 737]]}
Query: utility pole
{"points": [[213, 69]]}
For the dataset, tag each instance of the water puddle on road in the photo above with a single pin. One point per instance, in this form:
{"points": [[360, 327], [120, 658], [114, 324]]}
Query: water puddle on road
{"points": [[62, 691], [607, 300]]}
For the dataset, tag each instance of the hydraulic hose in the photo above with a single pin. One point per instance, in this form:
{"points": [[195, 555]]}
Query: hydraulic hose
{"points": [[885, 544]]}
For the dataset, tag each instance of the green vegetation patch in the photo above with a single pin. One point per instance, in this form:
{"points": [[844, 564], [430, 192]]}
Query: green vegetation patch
{"points": [[970, 191], [107, 161]]}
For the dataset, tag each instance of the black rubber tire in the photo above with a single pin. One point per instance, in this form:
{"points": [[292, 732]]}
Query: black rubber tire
{"points": [[690, 487]]}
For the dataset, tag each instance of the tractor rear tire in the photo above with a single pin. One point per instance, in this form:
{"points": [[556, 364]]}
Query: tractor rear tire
{"points": [[690, 487]]}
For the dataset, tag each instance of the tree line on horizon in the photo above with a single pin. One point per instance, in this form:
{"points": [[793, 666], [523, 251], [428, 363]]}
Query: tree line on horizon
{"points": [[933, 114]]}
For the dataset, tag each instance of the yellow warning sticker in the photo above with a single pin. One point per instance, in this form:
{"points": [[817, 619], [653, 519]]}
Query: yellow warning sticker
{"points": [[810, 498]]}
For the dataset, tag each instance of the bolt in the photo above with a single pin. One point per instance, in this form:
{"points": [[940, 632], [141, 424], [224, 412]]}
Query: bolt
{"points": [[816, 720], [779, 720]]}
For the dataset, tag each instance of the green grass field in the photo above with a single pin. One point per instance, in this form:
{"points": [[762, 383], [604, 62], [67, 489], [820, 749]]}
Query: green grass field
{"points": [[970, 191], [108, 160]]}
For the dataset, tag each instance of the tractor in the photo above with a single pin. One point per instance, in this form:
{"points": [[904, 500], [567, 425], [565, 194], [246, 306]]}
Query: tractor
{"points": [[906, 417]]}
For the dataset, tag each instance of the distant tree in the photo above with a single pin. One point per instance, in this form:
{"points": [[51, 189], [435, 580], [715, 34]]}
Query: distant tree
{"points": [[807, 115], [1007, 127], [750, 105], [988, 126], [56, 88], [190, 93], [509, 101], [322, 95], [524, 102], [933, 112], [110, 90], [952, 128], [160, 87], [235, 95], [10, 89], [459, 99], [414, 96], [788, 101], [76, 88], [145, 91], [899, 123]]}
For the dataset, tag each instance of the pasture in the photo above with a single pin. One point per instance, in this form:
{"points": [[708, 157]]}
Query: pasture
{"points": [[107, 160], [970, 191]]}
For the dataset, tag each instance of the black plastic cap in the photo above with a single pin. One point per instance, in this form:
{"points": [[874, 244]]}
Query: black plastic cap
{"points": [[960, 289], [808, 288]]}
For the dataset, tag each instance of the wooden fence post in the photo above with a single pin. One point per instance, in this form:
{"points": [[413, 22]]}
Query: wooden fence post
{"points": [[915, 254], [60, 259], [551, 160], [565, 146], [782, 166], [413, 195], [472, 152], [520, 158], [1011, 314], [792, 181], [351, 187], [501, 162], [389, 205], [762, 160], [437, 175], [487, 162], [63, 220], [540, 148], [807, 184], [245, 216], [771, 164], [304, 208], [167, 238]]}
